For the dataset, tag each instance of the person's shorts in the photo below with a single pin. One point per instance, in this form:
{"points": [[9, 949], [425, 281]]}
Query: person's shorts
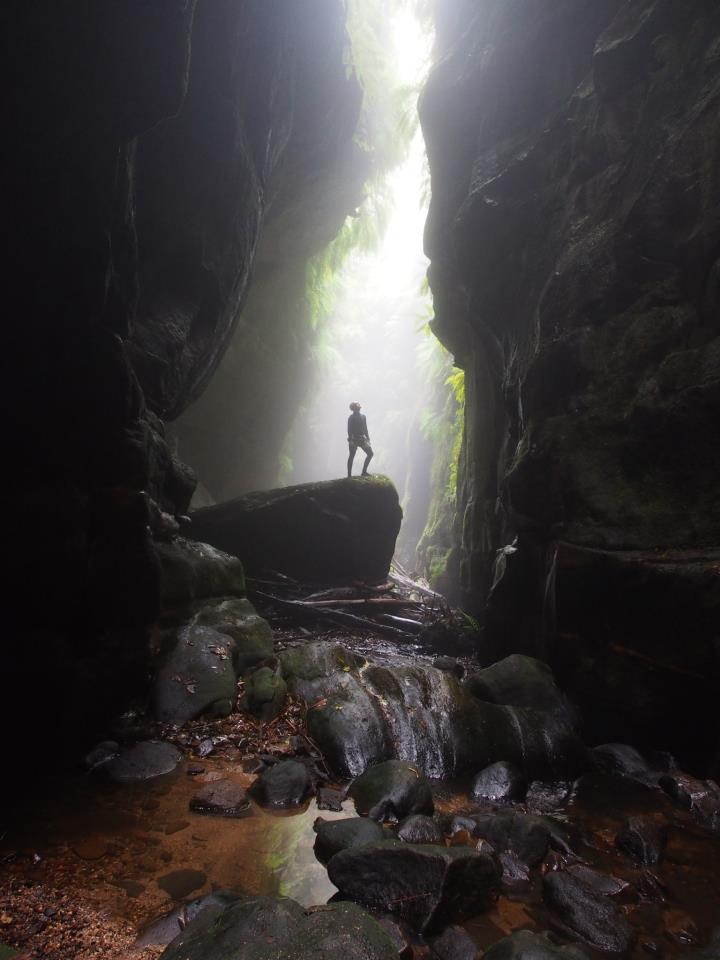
{"points": [[362, 443]]}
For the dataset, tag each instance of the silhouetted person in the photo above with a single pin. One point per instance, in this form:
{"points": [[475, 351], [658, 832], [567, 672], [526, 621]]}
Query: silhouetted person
{"points": [[358, 437]]}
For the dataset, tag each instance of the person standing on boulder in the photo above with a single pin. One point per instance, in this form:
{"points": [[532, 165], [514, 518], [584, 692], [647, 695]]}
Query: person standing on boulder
{"points": [[358, 437]]}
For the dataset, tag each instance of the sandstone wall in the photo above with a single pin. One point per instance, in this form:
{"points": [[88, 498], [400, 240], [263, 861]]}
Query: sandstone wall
{"points": [[574, 234], [147, 141]]}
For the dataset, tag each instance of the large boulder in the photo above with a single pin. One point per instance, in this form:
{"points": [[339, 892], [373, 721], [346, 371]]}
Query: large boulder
{"points": [[334, 531], [265, 928], [427, 886], [360, 714]]}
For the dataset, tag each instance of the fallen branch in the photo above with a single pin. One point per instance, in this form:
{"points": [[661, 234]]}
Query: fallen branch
{"points": [[368, 602], [347, 619]]}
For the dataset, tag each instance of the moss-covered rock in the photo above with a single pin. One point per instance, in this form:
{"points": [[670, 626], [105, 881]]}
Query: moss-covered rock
{"points": [[194, 571], [265, 694], [268, 928], [196, 674], [236, 617]]}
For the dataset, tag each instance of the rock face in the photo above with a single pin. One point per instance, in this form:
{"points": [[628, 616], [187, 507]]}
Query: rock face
{"points": [[574, 240], [151, 143], [360, 714], [334, 531]]}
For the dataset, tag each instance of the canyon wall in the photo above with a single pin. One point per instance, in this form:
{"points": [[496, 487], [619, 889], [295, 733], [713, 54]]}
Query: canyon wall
{"points": [[148, 142], [574, 234]]}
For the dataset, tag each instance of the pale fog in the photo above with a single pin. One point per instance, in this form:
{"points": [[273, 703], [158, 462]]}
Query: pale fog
{"points": [[370, 344]]}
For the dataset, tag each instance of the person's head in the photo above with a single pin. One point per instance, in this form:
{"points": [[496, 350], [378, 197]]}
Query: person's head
{"points": [[355, 406]]}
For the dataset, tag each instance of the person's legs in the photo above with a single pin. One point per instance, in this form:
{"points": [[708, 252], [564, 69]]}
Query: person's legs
{"points": [[368, 457], [352, 447]]}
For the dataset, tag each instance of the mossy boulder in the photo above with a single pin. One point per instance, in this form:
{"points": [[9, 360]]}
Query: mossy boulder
{"points": [[269, 928], [236, 617], [193, 571], [330, 532], [195, 676], [265, 694]]}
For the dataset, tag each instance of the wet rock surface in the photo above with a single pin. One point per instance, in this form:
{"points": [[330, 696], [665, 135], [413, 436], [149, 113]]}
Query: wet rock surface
{"points": [[527, 836], [583, 913], [643, 839], [166, 928], [499, 783], [361, 713], [427, 886], [420, 829], [195, 676], [237, 618], [331, 532]]}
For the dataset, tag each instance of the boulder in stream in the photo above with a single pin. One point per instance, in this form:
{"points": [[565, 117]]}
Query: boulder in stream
{"points": [[391, 791], [501, 782], [419, 828], [336, 835], [166, 928], [143, 761], [223, 798], [427, 886], [285, 784], [579, 912], [524, 834], [334, 531], [642, 839], [269, 928], [360, 714]]}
